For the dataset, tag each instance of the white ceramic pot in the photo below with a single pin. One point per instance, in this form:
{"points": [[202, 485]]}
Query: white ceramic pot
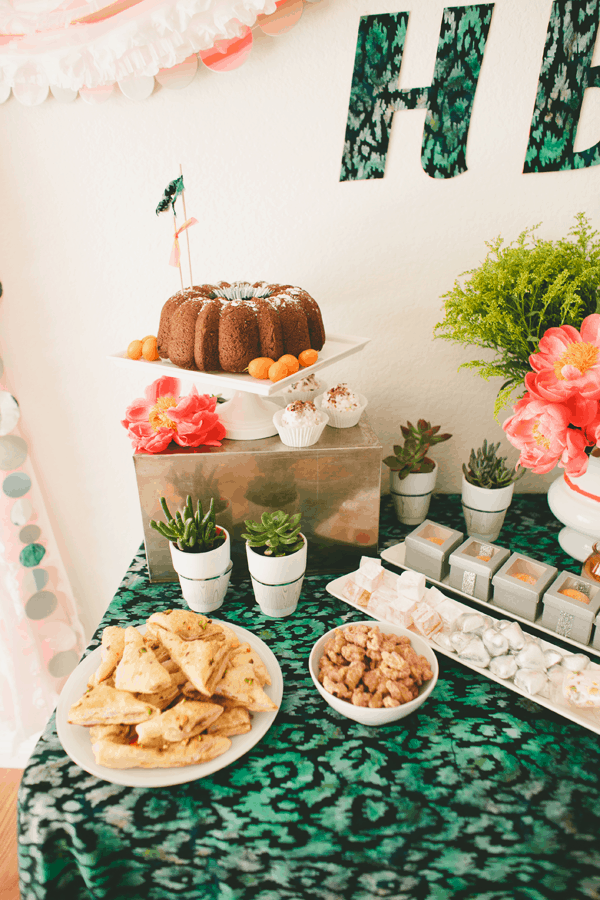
{"points": [[412, 495], [277, 580], [484, 509], [204, 577], [576, 503]]}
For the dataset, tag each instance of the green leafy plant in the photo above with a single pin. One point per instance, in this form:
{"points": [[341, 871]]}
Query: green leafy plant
{"points": [[488, 470], [412, 457], [192, 532], [277, 532], [517, 293]]}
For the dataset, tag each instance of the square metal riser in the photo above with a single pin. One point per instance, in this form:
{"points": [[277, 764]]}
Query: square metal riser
{"points": [[335, 485]]}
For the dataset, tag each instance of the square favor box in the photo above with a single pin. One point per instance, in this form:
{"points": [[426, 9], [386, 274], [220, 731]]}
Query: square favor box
{"points": [[428, 547], [520, 584], [472, 566], [571, 604]]}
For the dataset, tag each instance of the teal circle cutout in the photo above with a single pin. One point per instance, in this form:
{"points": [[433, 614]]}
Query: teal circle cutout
{"points": [[41, 578], [13, 452], [41, 605], [16, 485], [34, 580], [32, 555], [29, 534], [63, 663]]}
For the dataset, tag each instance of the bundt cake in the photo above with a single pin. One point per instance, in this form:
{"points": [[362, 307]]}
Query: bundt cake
{"points": [[223, 327]]}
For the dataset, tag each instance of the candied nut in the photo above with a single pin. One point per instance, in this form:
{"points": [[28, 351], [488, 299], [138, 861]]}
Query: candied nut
{"points": [[373, 679], [336, 688], [357, 634], [400, 691], [359, 698], [354, 672], [336, 658], [390, 702], [353, 653], [395, 661], [376, 701]]}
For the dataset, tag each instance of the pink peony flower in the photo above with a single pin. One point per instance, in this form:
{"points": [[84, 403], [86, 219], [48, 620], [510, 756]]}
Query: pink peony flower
{"points": [[539, 430], [162, 416], [574, 459], [567, 363]]}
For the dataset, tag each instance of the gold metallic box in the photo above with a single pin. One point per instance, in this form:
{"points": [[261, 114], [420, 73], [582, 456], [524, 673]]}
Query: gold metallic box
{"points": [[335, 484]]}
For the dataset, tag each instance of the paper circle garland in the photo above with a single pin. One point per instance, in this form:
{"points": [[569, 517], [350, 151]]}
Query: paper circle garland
{"points": [[283, 19], [59, 636], [16, 485], [139, 87], [29, 534], [63, 95], [34, 580], [63, 663], [96, 95], [41, 605], [225, 56], [13, 452], [9, 412], [21, 512], [30, 94], [178, 76], [32, 555]]}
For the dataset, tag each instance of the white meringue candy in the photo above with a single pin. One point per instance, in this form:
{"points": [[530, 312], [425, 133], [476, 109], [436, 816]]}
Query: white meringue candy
{"points": [[531, 657], [411, 585], [530, 680], [434, 597], [575, 662], [495, 642], [449, 611], [476, 653], [514, 634], [370, 574], [503, 666]]}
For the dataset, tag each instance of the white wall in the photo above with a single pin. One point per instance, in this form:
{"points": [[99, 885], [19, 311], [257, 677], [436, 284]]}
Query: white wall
{"points": [[83, 258]]}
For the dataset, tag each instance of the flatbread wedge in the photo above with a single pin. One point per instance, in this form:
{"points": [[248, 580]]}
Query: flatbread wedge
{"points": [[139, 671], [245, 654], [113, 642], [103, 705], [202, 661], [185, 720], [196, 750], [187, 625], [233, 721], [240, 683]]}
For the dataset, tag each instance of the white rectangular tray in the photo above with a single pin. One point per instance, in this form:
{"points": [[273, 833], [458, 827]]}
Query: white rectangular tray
{"points": [[589, 720], [395, 555], [336, 347]]}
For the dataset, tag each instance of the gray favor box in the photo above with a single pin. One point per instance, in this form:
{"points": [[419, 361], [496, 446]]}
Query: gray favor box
{"points": [[428, 547], [569, 616], [471, 572], [519, 596]]}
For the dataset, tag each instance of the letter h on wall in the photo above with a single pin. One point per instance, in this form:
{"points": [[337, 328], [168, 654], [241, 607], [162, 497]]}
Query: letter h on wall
{"points": [[375, 96]]}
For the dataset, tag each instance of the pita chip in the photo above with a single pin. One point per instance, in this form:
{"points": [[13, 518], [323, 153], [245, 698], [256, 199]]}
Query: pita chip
{"points": [[120, 734], [240, 683], [245, 655], [185, 720], [203, 662], [199, 749], [163, 698], [103, 705], [139, 671], [113, 641], [187, 625]]}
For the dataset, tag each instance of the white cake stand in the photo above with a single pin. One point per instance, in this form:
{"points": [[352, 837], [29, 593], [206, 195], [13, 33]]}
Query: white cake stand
{"points": [[247, 416]]}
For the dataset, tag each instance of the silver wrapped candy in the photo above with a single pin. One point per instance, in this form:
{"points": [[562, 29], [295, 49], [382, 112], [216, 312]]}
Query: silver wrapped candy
{"points": [[575, 662], [503, 666], [494, 642], [513, 632], [530, 680], [531, 657], [469, 622], [459, 640], [552, 657], [476, 653], [443, 640]]}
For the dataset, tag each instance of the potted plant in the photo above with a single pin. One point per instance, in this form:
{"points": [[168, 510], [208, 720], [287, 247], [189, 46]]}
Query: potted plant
{"points": [[200, 550], [412, 473], [276, 552], [487, 490]]}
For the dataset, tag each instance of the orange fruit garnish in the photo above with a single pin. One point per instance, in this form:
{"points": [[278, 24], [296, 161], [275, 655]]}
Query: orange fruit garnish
{"points": [[134, 351], [148, 336], [308, 357], [291, 362], [278, 371], [149, 350], [259, 367]]}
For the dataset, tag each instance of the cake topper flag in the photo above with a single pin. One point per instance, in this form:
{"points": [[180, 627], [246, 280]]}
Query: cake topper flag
{"points": [[173, 190]]}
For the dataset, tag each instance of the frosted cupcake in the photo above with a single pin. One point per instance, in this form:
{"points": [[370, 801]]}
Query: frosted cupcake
{"points": [[300, 424], [305, 389], [342, 405]]}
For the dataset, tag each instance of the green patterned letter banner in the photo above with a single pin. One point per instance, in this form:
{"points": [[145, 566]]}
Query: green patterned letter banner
{"points": [[374, 96], [565, 74]]}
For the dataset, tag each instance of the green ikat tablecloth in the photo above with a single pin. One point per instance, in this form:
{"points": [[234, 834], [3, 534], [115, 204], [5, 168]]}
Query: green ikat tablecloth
{"points": [[480, 794]]}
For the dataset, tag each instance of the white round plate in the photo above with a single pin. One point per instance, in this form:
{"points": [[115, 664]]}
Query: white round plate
{"points": [[76, 740]]}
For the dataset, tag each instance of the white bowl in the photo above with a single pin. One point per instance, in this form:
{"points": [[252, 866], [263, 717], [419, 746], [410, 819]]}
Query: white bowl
{"points": [[342, 418], [303, 436], [362, 714]]}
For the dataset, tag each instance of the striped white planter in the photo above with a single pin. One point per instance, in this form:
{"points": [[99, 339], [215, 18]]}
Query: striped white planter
{"points": [[277, 581]]}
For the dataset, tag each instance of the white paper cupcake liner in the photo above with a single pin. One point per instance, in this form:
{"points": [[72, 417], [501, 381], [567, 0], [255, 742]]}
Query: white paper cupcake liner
{"points": [[291, 396], [304, 436], [341, 419]]}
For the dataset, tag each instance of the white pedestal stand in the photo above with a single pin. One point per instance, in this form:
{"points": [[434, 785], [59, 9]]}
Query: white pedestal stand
{"points": [[247, 416]]}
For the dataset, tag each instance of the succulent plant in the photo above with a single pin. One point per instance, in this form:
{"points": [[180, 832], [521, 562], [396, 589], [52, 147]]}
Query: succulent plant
{"points": [[488, 470], [189, 531], [412, 457], [277, 532]]}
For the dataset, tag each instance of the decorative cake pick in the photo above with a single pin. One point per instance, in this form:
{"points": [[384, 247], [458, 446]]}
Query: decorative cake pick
{"points": [[173, 190]]}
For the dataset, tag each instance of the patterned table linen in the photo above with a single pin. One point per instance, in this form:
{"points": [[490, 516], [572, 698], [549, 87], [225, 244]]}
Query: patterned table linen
{"points": [[480, 794]]}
